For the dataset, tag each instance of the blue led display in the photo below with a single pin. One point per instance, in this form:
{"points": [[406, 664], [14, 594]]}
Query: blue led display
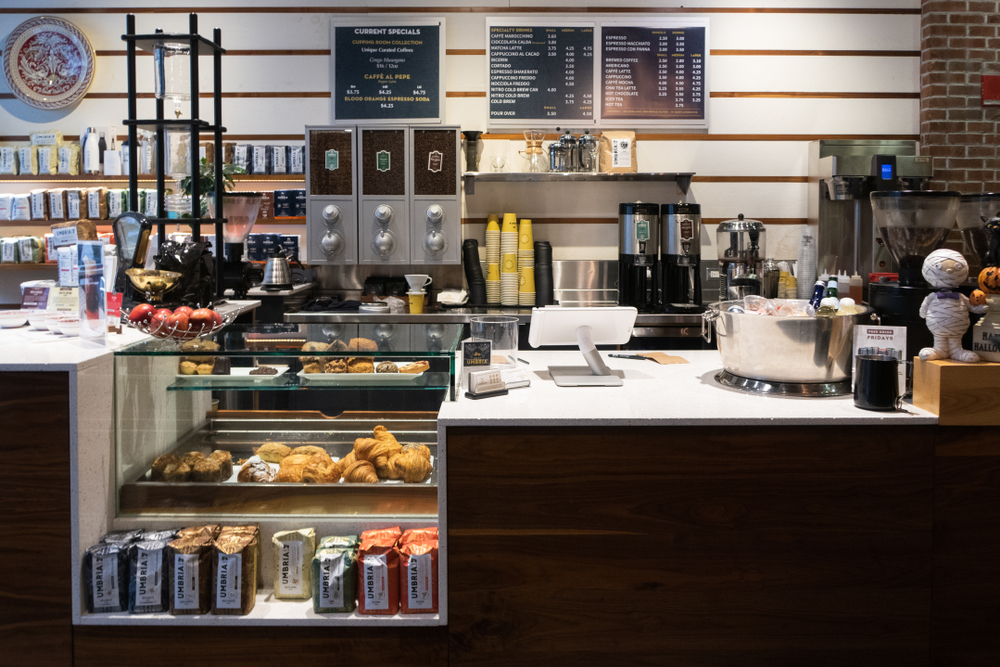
{"points": [[886, 171]]}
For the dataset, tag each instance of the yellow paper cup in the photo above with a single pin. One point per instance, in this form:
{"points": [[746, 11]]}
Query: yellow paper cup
{"points": [[509, 262], [509, 223], [492, 223], [527, 283], [416, 303], [525, 239], [493, 272]]}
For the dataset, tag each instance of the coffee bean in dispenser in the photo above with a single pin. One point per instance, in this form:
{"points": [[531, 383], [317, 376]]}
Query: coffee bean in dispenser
{"points": [[383, 162], [434, 162]]}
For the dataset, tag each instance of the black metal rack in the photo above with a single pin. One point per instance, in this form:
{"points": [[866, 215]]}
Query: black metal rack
{"points": [[199, 46]]}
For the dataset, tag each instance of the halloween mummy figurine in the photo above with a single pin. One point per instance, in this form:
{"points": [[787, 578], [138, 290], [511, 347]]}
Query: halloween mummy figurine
{"points": [[945, 309]]}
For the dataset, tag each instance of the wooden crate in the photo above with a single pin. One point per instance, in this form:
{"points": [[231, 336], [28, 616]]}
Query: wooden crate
{"points": [[959, 394]]}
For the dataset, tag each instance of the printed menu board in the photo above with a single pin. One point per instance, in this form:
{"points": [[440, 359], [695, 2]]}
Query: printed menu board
{"points": [[654, 75], [387, 72], [541, 73]]}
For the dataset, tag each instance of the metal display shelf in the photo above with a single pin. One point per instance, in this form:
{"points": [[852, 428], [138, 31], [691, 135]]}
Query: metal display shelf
{"points": [[683, 179]]}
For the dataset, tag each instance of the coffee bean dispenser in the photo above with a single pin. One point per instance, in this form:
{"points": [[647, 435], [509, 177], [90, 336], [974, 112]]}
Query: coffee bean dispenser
{"points": [[331, 195], [384, 229], [435, 207]]}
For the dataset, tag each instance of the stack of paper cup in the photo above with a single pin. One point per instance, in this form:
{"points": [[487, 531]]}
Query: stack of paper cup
{"points": [[492, 259], [526, 264], [509, 278]]}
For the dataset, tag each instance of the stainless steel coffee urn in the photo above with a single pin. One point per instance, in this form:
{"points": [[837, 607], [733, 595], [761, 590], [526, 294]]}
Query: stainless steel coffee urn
{"points": [[741, 250], [680, 257], [638, 251]]}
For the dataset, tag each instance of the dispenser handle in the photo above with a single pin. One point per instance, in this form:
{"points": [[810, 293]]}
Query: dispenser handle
{"points": [[706, 324]]}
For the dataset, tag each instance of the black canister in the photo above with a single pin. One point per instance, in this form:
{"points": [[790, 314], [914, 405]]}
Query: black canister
{"points": [[544, 288], [474, 272], [876, 382]]}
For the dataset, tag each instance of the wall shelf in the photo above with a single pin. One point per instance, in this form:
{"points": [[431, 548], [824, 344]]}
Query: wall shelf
{"points": [[683, 179], [146, 178]]}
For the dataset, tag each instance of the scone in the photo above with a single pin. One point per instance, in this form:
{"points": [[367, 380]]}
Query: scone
{"points": [[206, 470], [188, 368], [205, 369], [314, 346], [314, 367], [160, 464], [225, 461], [336, 366], [200, 345], [176, 472], [360, 365], [415, 367], [362, 345], [387, 367], [272, 452], [193, 457]]}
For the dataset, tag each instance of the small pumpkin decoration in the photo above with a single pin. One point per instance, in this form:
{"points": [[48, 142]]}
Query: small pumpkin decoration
{"points": [[977, 298], [989, 280]]}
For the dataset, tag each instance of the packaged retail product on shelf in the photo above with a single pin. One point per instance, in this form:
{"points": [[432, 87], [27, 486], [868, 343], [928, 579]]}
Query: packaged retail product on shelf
{"points": [[69, 159], [261, 158], [48, 160], [8, 160], [105, 570], [97, 203], [243, 157], [293, 555], [20, 208], [378, 563], [296, 159], [30, 250], [39, 205], [6, 201], [57, 204], [9, 251], [290, 244], [235, 564], [46, 138], [618, 152], [68, 233], [27, 158], [279, 159], [418, 561], [335, 575], [189, 573], [147, 592]]}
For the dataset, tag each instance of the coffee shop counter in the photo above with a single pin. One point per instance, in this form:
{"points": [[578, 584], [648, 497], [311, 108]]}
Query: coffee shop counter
{"points": [[702, 525]]}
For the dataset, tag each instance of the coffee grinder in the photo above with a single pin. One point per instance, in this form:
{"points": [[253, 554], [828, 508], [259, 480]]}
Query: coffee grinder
{"points": [[241, 210], [680, 258], [741, 247], [638, 250], [912, 224]]}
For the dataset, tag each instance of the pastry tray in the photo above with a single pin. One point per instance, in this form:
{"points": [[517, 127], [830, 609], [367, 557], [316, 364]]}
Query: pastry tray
{"points": [[238, 375], [360, 378], [141, 496]]}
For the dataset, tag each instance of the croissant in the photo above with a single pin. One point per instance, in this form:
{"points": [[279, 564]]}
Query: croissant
{"points": [[412, 466], [369, 449], [381, 433], [423, 449], [361, 472], [311, 450], [291, 468], [320, 470]]}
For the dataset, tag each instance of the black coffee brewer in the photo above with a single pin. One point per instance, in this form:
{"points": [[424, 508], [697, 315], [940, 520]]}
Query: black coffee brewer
{"points": [[638, 255], [680, 258]]}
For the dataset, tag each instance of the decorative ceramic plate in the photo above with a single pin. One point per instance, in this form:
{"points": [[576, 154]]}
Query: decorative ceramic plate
{"points": [[48, 62]]}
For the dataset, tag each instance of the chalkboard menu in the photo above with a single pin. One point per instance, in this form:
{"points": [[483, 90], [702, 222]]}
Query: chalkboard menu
{"points": [[541, 73], [387, 72], [654, 75]]}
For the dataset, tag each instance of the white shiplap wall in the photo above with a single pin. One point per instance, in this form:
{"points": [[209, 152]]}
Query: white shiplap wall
{"points": [[747, 155]]}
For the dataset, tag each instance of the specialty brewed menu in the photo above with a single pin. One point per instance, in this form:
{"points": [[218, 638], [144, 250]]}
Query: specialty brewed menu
{"points": [[651, 74], [541, 72], [387, 72]]}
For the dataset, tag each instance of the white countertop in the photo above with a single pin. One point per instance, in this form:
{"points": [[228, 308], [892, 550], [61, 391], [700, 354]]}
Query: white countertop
{"points": [[25, 349], [655, 395]]}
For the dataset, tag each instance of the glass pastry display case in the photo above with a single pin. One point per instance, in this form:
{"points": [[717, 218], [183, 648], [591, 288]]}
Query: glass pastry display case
{"points": [[273, 420]]}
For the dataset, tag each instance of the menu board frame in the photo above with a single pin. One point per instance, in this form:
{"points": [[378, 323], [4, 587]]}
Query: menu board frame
{"points": [[533, 21], [671, 23], [401, 21]]}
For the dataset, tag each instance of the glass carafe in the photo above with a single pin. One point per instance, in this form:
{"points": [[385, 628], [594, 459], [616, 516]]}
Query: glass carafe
{"points": [[537, 161]]}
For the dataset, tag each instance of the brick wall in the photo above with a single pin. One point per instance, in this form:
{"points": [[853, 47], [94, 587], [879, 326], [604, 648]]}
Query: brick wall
{"points": [[962, 136]]}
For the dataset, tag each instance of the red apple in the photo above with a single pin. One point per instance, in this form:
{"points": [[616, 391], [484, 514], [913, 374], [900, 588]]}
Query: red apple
{"points": [[184, 309], [141, 313], [159, 317], [202, 319], [177, 323], [218, 318]]}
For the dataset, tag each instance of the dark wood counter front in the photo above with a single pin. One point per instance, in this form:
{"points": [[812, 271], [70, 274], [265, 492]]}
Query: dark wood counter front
{"points": [[692, 545]]}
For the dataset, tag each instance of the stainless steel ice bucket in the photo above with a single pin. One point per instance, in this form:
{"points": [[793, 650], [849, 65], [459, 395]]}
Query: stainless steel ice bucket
{"points": [[784, 349]]}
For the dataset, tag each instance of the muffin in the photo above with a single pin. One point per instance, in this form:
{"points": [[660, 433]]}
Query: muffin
{"points": [[360, 365], [188, 368], [205, 369], [336, 366], [387, 367]]}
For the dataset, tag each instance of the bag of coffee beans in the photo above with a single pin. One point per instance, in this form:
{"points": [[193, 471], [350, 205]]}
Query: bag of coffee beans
{"points": [[105, 568], [147, 589], [419, 577], [293, 554], [378, 564], [335, 575], [189, 574], [618, 154], [234, 564]]}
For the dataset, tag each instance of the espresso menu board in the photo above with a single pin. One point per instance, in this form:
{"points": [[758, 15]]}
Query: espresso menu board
{"points": [[654, 74], [541, 72], [387, 72]]}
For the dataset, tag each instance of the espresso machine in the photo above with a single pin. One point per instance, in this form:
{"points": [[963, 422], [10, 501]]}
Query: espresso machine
{"points": [[638, 254], [741, 247], [680, 258], [912, 224]]}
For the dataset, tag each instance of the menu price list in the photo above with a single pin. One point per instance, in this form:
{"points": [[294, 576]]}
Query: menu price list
{"points": [[653, 73], [387, 72], [541, 72]]}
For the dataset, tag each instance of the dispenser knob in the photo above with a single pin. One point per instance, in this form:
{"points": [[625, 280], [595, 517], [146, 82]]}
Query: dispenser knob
{"points": [[435, 242], [331, 214], [383, 214], [332, 243], [384, 244], [435, 214]]}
